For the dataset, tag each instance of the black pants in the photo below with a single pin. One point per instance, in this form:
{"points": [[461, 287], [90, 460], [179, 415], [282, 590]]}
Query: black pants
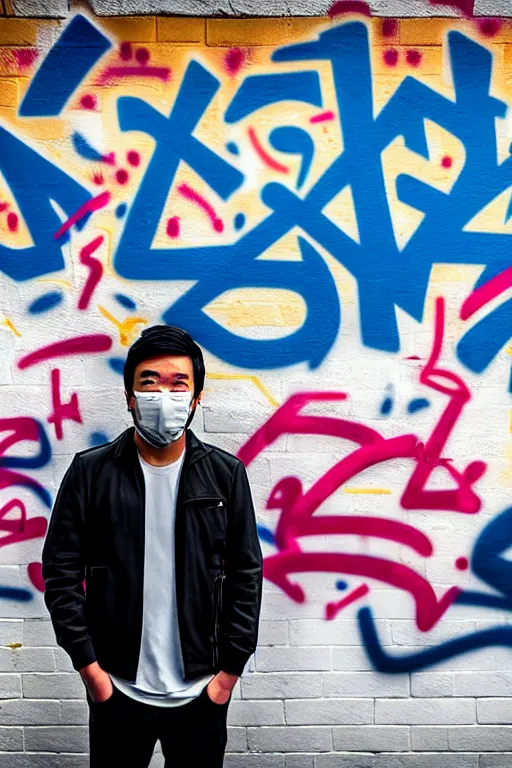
{"points": [[123, 732]]}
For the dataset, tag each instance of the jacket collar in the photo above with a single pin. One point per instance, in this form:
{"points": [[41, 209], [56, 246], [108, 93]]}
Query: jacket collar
{"points": [[126, 449]]}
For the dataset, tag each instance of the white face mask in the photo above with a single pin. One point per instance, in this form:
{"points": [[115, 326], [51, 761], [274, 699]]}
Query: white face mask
{"points": [[160, 417]]}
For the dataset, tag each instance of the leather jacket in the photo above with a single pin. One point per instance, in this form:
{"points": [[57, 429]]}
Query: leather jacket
{"points": [[96, 533]]}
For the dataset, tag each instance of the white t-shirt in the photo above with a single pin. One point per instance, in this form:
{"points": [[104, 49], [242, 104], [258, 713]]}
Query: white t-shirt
{"points": [[160, 669]]}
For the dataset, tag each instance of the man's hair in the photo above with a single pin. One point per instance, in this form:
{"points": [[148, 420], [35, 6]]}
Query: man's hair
{"points": [[162, 340]]}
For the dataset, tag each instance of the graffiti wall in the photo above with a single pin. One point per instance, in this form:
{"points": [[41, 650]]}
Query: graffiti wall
{"points": [[325, 204]]}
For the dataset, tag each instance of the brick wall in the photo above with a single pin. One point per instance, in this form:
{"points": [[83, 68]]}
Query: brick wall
{"points": [[328, 253]]}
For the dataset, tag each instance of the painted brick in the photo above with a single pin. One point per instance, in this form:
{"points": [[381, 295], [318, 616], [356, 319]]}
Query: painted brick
{"points": [[254, 761], [494, 711], [432, 684], [38, 632], [481, 738], [426, 32], [38, 760], [174, 29], [63, 738], [18, 32], [279, 659], [237, 740], [426, 761], [282, 686], [361, 738], [425, 711], [256, 713], [289, 739], [299, 761], [27, 660], [234, 32], [10, 686], [426, 738], [139, 29], [9, 93], [496, 761], [482, 684], [56, 686], [344, 761], [62, 661], [29, 712], [343, 632], [74, 712], [329, 712], [273, 633], [358, 684], [11, 739], [11, 631]]}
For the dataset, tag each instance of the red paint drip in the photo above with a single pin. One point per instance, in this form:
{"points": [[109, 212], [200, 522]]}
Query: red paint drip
{"points": [[234, 60], [3, 207], [111, 73], [195, 197], [98, 178], [462, 563], [122, 176], [25, 57], [486, 293], [79, 345], [173, 227], [263, 154], [109, 159], [35, 574], [125, 51], [96, 271], [62, 411], [133, 158], [89, 207], [88, 101], [332, 609], [12, 221], [142, 56], [467, 7], [322, 117], [489, 27], [447, 161], [413, 357], [413, 58], [389, 27], [391, 57], [340, 7]]}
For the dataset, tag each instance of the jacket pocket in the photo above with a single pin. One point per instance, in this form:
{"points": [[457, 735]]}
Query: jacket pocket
{"points": [[218, 588]]}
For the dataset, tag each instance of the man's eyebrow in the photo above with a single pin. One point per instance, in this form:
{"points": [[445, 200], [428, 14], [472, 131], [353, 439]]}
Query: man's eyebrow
{"points": [[149, 374], [180, 376]]}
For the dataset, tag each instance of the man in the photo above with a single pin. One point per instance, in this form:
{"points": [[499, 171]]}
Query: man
{"points": [[162, 527]]}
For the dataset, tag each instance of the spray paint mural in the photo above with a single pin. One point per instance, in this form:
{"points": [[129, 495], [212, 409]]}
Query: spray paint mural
{"points": [[330, 219]]}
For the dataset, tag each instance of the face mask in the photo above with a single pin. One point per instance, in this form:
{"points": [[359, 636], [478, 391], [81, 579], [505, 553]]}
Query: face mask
{"points": [[161, 417]]}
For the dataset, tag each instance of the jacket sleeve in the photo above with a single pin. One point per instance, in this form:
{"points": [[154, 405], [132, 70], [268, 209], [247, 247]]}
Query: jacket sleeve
{"points": [[64, 567], [243, 580]]}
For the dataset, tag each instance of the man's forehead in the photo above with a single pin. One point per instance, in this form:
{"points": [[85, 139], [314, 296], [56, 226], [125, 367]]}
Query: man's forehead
{"points": [[167, 364]]}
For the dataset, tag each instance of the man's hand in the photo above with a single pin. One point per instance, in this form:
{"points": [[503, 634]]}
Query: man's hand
{"points": [[98, 682], [219, 689]]}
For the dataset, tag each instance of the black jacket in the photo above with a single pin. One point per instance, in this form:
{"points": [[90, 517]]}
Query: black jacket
{"points": [[96, 532]]}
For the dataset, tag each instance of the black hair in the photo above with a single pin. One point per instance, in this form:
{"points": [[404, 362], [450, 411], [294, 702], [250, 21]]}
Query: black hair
{"points": [[164, 340]]}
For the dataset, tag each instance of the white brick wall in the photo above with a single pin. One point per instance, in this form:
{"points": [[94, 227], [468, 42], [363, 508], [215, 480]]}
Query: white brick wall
{"points": [[311, 697]]}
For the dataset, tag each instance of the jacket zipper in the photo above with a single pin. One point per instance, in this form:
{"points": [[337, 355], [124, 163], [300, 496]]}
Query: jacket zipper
{"points": [[218, 585]]}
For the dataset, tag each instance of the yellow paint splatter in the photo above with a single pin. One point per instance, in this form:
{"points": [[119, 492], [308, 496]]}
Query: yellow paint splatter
{"points": [[127, 328], [243, 377], [11, 326], [54, 281], [376, 491]]}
